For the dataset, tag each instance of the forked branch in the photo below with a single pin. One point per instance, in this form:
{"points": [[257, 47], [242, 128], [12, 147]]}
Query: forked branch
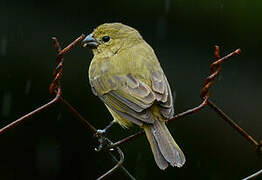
{"points": [[55, 88]]}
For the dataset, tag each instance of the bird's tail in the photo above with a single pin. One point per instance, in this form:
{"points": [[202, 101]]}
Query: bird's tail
{"points": [[163, 146]]}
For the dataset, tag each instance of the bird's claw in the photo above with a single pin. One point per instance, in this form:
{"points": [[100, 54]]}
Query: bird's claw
{"points": [[103, 141], [100, 147], [101, 132]]}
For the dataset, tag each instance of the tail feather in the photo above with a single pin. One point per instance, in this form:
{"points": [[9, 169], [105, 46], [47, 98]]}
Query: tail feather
{"points": [[164, 147], [159, 158]]}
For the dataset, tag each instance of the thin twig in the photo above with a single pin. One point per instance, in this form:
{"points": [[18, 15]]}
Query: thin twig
{"points": [[59, 60], [71, 45], [190, 111], [127, 139], [120, 162], [122, 167], [215, 68], [233, 124], [55, 86], [254, 175], [79, 116], [32, 113]]}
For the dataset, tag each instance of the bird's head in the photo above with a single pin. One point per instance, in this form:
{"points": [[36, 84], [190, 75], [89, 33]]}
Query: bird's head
{"points": [[110, 38]]}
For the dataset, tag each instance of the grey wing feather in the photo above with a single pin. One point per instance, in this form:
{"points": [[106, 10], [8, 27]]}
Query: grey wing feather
{"points": [[163, 93], [131, 101], [121, 105]]}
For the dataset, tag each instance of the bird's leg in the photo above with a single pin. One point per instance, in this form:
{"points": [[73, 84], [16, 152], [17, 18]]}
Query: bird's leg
{"points": [[103, 131], [100, 134]]}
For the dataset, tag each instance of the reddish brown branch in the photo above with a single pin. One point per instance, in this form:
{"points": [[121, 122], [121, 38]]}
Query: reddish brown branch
{"points": [[234, 125], [59, 61], [78, 115], [40, 109], [191, 111], [55, 86], [127, 139], [58, 74], [215, 69]]}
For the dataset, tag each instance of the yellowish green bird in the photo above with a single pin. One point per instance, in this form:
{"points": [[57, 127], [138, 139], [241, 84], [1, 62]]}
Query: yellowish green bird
{"points": [[126, 75]]}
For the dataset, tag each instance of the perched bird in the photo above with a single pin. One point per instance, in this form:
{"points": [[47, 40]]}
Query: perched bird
{"points": [[126, 75]]}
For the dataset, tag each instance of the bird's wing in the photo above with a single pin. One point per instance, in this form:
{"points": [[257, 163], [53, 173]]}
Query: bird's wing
{"points": [[133, 98], [161, 88]]}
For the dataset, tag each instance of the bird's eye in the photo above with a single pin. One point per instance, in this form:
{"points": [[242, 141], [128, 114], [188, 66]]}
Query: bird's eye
{"points": [[106, 38]]}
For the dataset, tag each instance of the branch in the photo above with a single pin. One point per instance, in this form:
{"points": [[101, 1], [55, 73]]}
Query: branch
{"points": [[29, 115], [55, 88], [256, 174]]}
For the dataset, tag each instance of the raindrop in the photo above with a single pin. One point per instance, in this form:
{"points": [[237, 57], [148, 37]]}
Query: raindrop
{"points": [[59, 116], [3, 45], [174, 96], [161, 29], [167, 6], [28, 86], [222, 3], [6, 105], [47, 158]]}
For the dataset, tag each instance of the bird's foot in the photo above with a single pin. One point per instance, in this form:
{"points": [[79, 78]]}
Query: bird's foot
{"points": [[102, 132], [104, 143], [101, 135]]}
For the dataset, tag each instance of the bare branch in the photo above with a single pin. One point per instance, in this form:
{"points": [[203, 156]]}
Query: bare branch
{"points": [[55, 87], [79, 116], [120, 162], [32, 113], [256, 174]]}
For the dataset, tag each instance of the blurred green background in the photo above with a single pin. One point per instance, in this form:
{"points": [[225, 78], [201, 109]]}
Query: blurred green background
{"points": [[56, 145]]}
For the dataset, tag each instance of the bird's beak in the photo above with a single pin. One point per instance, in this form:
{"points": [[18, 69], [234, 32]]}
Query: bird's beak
{"points": [[90, 42]]}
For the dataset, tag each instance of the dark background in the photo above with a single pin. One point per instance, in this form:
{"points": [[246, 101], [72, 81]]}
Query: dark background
{"points": [[56, 145]]}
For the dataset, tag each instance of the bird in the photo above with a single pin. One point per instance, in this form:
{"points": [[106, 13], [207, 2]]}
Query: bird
{"points": [[126, 75]]}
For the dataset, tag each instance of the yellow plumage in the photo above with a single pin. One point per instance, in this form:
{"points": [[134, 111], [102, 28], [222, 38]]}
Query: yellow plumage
{"points": [[126, 75]]}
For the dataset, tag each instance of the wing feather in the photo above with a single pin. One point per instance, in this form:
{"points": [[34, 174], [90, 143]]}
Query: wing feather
{"points": [[161, 87], [133, 99]]}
